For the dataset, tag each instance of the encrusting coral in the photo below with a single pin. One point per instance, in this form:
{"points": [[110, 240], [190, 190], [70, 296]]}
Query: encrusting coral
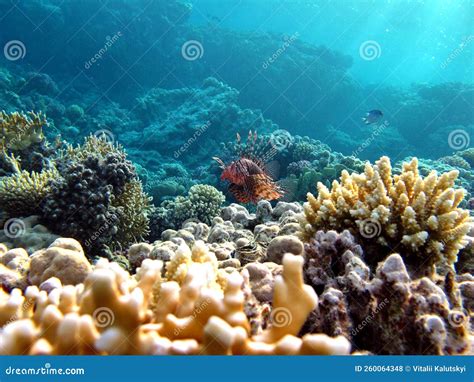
{"points": [[406, 213], [114, 313]]}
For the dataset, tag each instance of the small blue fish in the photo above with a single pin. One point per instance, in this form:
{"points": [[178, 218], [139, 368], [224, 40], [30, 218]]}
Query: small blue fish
{"points": [[373, 116]]}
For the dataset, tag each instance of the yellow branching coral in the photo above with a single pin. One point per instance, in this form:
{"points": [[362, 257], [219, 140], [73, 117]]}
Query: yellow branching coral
{"points": [[114, 313], [20, 130], [22, 192], [198, 260], [406, 213], [100, 145]]}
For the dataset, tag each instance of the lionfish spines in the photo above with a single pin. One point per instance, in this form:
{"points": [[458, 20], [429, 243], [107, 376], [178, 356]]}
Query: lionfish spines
{"points": [[249, 179]]}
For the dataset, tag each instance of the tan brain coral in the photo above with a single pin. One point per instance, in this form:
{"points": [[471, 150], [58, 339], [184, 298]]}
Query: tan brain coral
{"points": [[406, 213]]}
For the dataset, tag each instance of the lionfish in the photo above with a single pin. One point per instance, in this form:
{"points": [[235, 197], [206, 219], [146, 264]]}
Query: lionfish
{"points": [[250, 175]]}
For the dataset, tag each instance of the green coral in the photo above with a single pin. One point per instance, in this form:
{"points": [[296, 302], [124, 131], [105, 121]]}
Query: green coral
{"points": [[202, 203], [19, 130], [206, 202]]}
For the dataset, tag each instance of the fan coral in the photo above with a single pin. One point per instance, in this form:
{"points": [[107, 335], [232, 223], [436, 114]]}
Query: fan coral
{"points": [[20, 130], [418, 217], [112, 313]]}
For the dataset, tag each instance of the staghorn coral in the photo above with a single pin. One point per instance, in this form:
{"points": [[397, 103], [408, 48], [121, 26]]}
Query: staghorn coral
{"points": [[20, 130], [112, 313], [419, 217], [22, 193]]}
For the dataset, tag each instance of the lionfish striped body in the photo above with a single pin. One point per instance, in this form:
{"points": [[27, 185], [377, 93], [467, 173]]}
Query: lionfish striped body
{"points": [[248, 176]]}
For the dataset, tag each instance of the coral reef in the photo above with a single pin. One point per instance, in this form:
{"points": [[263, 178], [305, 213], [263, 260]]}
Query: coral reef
{"points": [[97, 199], [388, 312], [202, 204], [29, 234], [20, 130], [158, 316], [418, 217]]}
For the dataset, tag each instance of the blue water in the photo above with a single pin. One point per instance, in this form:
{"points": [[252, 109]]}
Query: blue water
{"points": [[415, 37], [152, 73]]}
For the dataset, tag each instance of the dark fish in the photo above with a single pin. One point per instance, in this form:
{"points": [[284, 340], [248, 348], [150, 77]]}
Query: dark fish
{"points": [[373, 116]]}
